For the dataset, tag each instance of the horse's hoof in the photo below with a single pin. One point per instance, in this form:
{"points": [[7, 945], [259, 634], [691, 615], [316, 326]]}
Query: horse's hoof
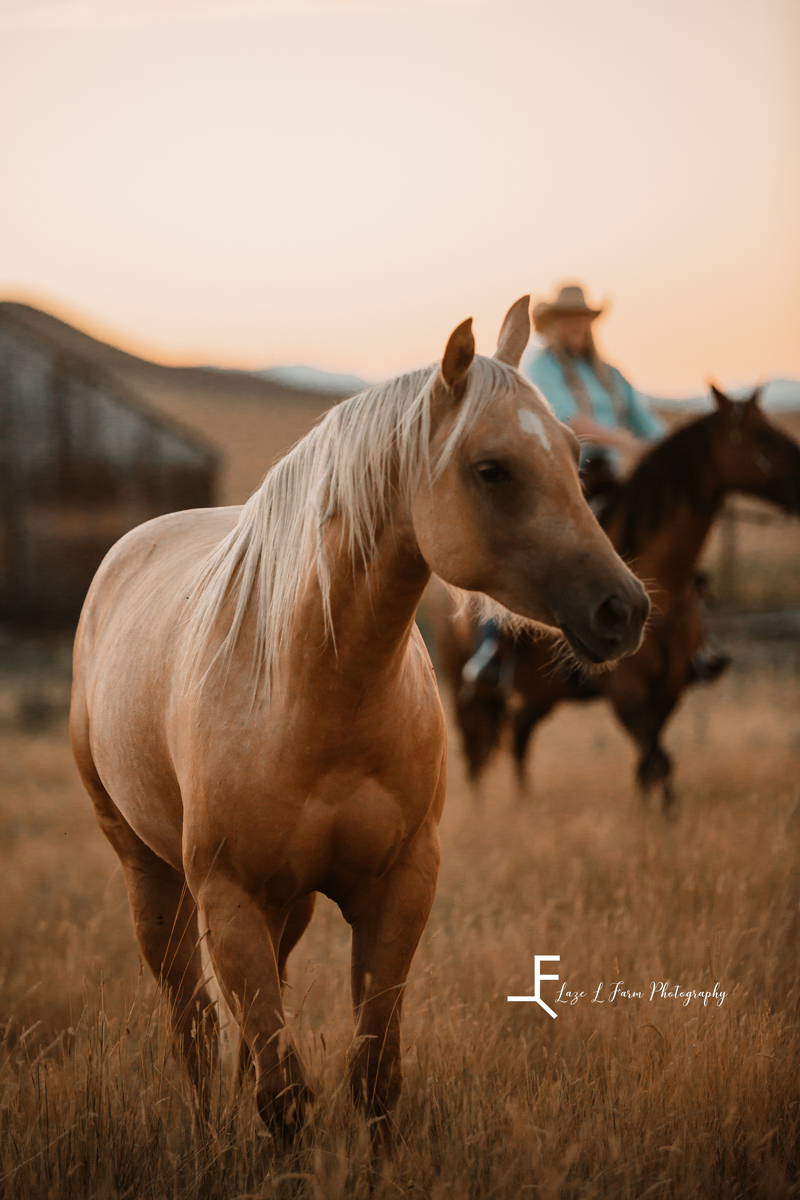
{"points": [[285, 1114], [655, 768]]}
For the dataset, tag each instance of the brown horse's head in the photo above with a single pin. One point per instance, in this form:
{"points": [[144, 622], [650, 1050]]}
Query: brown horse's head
{"points": [[752, 455], [504, 513]]}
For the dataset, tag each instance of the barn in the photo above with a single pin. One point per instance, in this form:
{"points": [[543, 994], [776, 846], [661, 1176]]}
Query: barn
{"points": [[82, 460]]}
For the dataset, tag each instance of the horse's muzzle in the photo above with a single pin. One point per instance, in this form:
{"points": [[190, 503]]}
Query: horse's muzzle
{"points": [[613, 630]]}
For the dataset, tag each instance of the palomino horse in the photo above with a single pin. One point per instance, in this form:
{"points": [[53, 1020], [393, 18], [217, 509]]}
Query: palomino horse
{"points": [[255, 716], [658, 520]]}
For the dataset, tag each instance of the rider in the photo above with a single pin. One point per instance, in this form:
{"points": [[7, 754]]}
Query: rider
{"points": [[589, 395]]}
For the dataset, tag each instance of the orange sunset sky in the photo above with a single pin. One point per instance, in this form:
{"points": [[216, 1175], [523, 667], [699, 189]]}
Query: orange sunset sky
{"points": [[253, 183]]}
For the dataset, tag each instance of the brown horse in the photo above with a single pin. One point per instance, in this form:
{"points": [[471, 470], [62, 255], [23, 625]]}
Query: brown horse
{"points": [[658, 520], [254, 712]]}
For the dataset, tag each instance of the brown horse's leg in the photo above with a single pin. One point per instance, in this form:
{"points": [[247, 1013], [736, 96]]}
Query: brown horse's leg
{"points": [[480, 718], [243, 935], [523, 725], [644, 718], [655, 769], [296, 925], [165, 920], [387, 924]]}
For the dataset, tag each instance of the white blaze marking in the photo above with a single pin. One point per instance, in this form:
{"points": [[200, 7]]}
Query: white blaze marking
{"points": [[531, 422], [540, 396]]}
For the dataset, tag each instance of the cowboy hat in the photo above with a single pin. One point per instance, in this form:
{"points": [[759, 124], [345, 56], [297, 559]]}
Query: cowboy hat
{"points": [[569, 300]]}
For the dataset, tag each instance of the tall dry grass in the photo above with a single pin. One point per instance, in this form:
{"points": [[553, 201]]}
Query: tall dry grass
{"points": [[631, 1099]]}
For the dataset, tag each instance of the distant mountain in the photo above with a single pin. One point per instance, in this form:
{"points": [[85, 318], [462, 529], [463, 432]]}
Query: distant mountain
{"points": [[310, 379], [779, 395]]}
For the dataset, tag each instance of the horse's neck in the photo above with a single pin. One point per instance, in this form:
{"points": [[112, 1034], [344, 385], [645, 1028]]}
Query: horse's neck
{"points": [[372, 608], [669, 557]]}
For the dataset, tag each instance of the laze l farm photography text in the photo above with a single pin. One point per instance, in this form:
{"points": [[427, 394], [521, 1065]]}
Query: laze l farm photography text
{"points": [[615, 992], [657, 991]]}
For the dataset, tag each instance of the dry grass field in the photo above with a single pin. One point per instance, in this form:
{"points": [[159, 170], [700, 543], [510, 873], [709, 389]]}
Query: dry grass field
{"points": [[752, 557], [628, 1099]]}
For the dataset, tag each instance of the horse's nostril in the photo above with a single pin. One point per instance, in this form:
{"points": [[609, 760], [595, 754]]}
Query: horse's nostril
{"points": [[612, 617]]}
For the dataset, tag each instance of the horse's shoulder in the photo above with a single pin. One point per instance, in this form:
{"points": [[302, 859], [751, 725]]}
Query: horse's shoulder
{"points": [[158, 551], [188, 523], [170, 533]]}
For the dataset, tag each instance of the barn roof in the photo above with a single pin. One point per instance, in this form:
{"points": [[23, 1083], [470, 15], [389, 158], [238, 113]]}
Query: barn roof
{"points": [[249, 420], [23, 321]]}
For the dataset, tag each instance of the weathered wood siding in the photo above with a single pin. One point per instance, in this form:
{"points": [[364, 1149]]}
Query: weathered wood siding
{"points": [[81, 463]]}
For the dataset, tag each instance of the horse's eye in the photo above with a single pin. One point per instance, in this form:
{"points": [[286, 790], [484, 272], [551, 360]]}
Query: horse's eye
{"points": [[492, 472]]}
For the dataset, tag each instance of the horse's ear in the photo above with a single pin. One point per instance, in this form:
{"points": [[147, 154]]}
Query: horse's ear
{"points": [[754, 400], [515, 332], [458, 355], [723, 402]]}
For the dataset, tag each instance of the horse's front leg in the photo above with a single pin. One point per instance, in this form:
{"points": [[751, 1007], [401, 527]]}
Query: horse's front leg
{"points": [[525, 720], [297, 922], [387, 922], [243, 939], [644, 716]]}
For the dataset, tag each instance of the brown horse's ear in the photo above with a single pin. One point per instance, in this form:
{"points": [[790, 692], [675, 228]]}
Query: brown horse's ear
{"points": [[723, 402], [515, 332], [754, 401], [458, 355]]}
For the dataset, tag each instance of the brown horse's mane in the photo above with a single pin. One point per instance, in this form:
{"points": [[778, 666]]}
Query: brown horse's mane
{"points": [[673, 473]]}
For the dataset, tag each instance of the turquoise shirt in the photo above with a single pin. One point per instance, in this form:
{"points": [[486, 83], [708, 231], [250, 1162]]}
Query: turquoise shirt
{"points": [[545, 371]]}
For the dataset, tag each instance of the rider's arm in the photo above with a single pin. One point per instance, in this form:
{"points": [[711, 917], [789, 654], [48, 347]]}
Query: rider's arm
{"points": [[603, 435], [641, 419]]}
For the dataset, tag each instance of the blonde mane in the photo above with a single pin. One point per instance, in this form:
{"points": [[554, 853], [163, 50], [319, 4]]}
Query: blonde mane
{"points": [[343, 466]]}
